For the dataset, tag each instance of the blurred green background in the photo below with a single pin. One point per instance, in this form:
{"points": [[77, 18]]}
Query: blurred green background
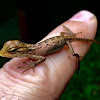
{"points": [[85, 85]]}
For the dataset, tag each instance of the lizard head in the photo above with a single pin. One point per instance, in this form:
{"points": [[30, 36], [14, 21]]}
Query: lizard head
{"points": [[12, 48]]}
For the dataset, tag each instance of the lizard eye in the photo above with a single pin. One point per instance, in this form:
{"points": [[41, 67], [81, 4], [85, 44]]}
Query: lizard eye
{"points": [[12, 50]]}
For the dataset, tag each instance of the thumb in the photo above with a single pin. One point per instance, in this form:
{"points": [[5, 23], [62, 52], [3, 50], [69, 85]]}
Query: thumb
{"points": [[49, 78]]}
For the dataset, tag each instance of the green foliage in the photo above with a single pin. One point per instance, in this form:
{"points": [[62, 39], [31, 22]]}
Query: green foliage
{"points": [[86, 85]]}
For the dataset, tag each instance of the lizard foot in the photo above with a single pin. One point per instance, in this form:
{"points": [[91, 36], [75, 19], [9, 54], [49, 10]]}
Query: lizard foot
{"points": [[32, 64], [29, 65], [78, 62]]}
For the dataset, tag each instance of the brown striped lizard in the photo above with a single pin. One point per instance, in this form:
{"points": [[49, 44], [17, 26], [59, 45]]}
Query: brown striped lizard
{"points": [[16, 48]]}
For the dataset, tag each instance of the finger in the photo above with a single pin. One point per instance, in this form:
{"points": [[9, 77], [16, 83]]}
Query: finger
{"points": [[65, 63], [59, 67]]}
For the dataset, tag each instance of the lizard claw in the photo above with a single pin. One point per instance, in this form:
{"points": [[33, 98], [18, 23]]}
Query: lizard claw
{"points": [[30, 66], [26, 63], [27, 69]]}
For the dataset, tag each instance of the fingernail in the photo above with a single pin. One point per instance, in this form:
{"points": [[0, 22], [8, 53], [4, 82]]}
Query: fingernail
{"points": [[83, 15]]}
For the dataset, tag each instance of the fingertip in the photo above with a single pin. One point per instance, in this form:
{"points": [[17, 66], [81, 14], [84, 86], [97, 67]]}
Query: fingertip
{"points": [[83, 16], [88, 18]]}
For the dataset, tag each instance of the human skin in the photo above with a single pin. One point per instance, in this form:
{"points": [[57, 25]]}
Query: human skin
{"points": [[49, 79]]}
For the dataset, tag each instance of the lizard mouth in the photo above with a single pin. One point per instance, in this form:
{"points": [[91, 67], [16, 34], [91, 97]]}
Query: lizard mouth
{"points": [[4, 54], [1, 53]]}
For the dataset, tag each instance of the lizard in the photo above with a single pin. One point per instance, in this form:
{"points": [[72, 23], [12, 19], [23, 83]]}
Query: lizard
{"points": [[16, 48]]}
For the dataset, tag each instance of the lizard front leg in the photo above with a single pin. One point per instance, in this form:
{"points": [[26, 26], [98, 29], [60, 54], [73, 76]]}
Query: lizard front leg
{"points": [[39, 59], [72, 51], [74, 54]]}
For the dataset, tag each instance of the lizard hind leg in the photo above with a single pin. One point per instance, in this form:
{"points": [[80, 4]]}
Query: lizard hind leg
{"points": [[78, 33], [78, 62], [74, 54]]}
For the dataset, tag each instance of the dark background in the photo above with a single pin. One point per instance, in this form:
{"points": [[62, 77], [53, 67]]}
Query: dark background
{"points": [[31, 21], [43, 16], [37, 19]]}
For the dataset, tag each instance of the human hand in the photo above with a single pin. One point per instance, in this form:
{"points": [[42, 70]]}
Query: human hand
{"points": [[49, 78]]}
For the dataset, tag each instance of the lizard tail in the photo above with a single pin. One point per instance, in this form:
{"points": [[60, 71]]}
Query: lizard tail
{"points": [[73, 39], [96, 42], [91, 40]]}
